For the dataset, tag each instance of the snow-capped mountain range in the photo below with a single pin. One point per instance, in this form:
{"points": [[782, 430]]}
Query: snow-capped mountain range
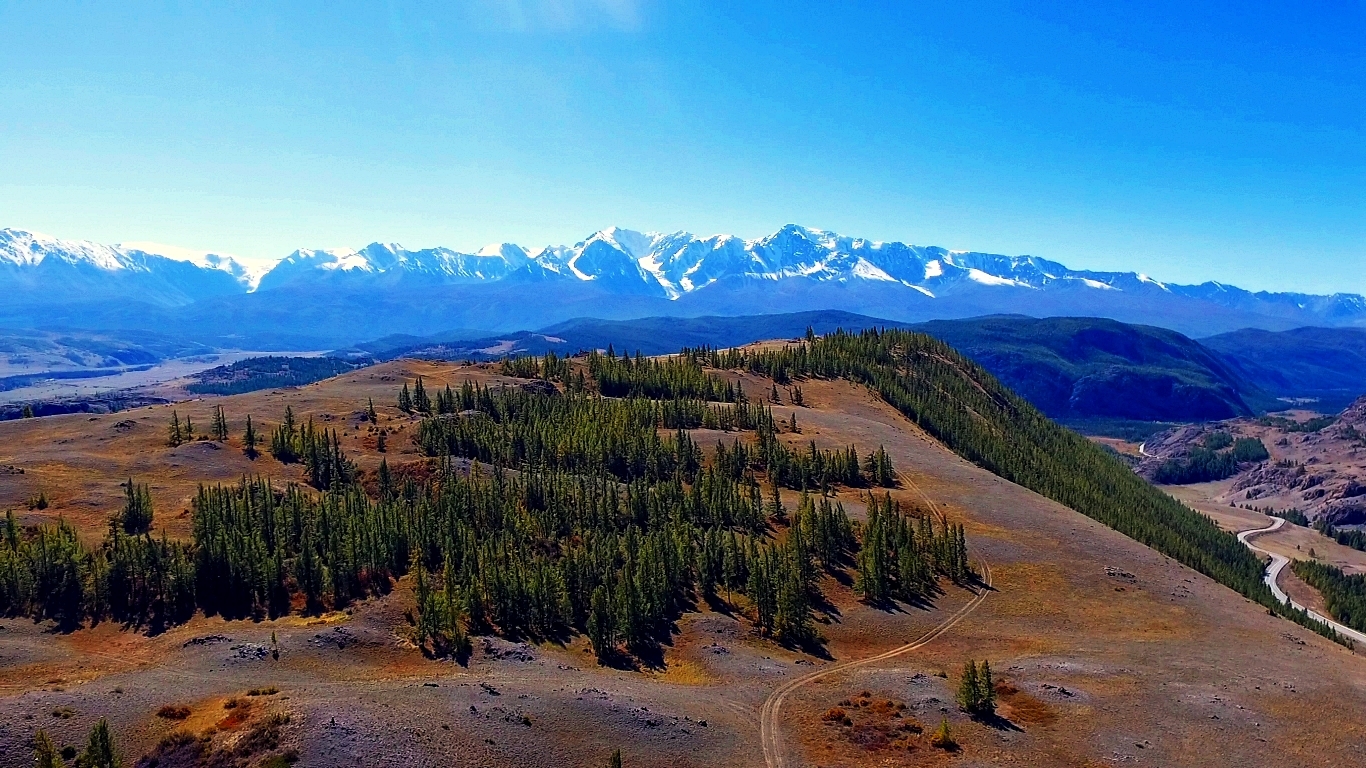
{"points": [[677, 273], [672, 265]]}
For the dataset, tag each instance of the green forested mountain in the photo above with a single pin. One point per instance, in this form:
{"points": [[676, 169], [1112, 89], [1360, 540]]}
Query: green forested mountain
{"points": [[1073, 368], [1325, 364], [1083, 367], [970, 411], [254, 373]]}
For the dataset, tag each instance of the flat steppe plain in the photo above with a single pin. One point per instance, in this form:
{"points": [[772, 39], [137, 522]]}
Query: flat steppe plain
{"points": [[1107, 652]]}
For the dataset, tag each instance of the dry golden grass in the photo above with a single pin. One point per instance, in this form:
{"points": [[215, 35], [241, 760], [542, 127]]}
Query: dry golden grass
{"points": [[1148, 659]]}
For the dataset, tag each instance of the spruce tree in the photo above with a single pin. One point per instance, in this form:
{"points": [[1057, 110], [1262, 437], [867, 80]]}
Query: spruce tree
{"points": [[943, 737], [100, 751], [45, 753], [174, 435], [986, 690], [136, 516], [421, 401], [601, 625], [249, 440], [405, 399], [370, 412], [220, 424], [969, 688]]}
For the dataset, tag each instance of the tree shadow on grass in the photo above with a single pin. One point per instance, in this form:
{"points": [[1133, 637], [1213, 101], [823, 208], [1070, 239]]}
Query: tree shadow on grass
{"points": [[996, 722]]}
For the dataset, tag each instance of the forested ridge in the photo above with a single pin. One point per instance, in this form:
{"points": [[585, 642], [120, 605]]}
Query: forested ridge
{"points": [[595, 513], [1345, 595], [968, 410], [1216, 457], [582, 514], [254, 373]]}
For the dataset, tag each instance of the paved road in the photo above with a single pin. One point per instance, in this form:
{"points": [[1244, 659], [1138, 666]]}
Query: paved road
{"points": [[1278, 563]]}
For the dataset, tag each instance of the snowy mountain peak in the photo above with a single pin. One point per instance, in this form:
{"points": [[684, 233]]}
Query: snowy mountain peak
{"points": [[716, 271]]}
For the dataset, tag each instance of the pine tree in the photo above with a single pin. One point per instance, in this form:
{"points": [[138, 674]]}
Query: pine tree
{"points": [[285, 443], [136, 516], [188, 429], [175, 436], [380, 442], [969, 688], [775, 506], [405, 399], [942, 737], [100, 751], [976, 691], [615, 761], [370, 412], [421, 401], [220, 424], [45, 753], [249, 440], [27, 413], [986, 690]]}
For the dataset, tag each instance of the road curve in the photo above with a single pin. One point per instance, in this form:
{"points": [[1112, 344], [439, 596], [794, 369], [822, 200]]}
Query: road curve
{"points": [[770, 715], [1278, 563]]}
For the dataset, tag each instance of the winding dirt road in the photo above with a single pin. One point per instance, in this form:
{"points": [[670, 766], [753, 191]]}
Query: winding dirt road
{"points": [[1278, 563], [770, 715]]}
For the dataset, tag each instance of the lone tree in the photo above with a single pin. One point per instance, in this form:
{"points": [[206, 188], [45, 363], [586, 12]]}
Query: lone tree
{"points": [[220, 424], [175, 435], [100, 751], [976, 691], [45, 752], [943, 737], [136, 516], [249, 440]]}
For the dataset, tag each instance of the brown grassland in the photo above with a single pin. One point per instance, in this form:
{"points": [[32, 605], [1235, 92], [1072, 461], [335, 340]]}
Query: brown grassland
{"points": [[1105, 652]]}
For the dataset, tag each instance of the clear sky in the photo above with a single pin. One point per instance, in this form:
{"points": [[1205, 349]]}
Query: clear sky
{"points": [[1191, 141]]}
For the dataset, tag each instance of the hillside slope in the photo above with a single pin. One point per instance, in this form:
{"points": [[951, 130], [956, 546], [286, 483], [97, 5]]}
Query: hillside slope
{"points": [[1067, 367], [1327, 364], [1105, 649], [1090, 367]]}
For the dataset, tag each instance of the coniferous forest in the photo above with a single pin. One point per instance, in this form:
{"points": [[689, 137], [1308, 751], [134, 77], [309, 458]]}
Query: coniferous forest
{"points": [[579, 513], [963, 406], [556, 510]]}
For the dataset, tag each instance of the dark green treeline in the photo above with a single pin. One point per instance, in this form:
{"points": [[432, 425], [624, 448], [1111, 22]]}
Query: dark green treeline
{"points": [[967, 409]]}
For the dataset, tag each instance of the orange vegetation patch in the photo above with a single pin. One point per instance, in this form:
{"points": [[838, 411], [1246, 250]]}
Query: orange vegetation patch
{"points": [[1021, 708], [872, 724], [239, 713]]}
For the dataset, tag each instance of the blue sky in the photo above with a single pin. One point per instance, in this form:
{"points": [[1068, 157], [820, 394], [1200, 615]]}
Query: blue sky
{"points": [[1224, 141]]}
